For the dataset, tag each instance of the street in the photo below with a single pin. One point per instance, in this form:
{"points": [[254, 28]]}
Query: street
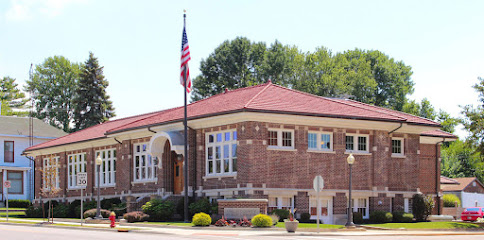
{"points": [[16, 232]]}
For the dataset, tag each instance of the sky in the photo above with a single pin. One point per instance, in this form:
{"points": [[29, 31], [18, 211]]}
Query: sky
{"points": [[138, 42]]}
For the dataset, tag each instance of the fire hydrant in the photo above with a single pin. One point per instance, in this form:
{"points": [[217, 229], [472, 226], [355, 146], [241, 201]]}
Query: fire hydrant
{"points": [[112, 218]]}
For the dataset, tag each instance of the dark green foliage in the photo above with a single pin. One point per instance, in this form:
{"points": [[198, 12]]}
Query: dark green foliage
{"points": [[201, 205], [180, 206], [281, 213], [33, 212], [305, 218], [119, 209], [422, 206], [460, 159], [402, 217], [19, 203], [61, 211], [136, 217], [91, 102], [87, 205], [91, 213], [109, 202], [472, 120], [380, 217], [11, 98], [357, 218], [159, 210]]}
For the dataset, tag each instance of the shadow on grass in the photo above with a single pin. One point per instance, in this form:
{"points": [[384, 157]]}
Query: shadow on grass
{"points": [[466, 226]]}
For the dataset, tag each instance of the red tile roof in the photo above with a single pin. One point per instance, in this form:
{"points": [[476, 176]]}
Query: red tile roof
{"points": [[438, 133], [461, 185], [447, 180], [266, 97]]}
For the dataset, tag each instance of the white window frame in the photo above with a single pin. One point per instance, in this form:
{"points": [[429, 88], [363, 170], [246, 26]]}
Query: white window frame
{"points": [[318, 141], [77, 165], [279, 139], [147, 177], [402, 144], [279, 202], [231, 143], [355, 143], [108, 178], [45, 165], [356, 204]]}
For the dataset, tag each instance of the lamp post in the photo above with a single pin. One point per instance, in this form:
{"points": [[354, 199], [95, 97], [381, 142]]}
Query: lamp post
{"points": [[99, 161], [349, 222]]}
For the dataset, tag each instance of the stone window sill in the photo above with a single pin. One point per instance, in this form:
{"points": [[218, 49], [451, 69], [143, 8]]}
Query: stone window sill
{"points": [[359, 153], [276, 148], [320, 151], [220, 176]]}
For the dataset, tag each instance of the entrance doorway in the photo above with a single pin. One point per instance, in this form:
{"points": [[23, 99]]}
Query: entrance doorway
{"points": [[178, 176]]}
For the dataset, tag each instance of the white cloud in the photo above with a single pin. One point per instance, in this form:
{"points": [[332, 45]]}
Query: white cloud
{"points": [[22, 10]]}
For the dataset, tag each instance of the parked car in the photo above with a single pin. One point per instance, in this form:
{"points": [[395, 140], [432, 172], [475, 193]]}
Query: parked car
{"points": [[471, 214]]}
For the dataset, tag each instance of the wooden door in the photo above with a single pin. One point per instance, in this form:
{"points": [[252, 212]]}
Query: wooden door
{"points": [[178, 176]]}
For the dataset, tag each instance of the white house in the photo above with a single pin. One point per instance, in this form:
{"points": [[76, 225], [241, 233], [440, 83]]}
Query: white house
{"points": [[14, 139]]}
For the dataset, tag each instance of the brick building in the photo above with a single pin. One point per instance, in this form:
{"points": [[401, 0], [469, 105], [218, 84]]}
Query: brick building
{"points": [[264, 142]]}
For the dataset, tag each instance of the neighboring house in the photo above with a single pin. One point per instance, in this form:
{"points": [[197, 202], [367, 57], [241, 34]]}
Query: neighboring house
{"points": [[469, 190], [264, 141], [14, 139]]}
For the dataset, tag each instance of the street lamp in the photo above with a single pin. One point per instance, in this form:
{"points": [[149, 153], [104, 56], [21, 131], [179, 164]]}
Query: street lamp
{"points": [[349, 222], [99, 161]]}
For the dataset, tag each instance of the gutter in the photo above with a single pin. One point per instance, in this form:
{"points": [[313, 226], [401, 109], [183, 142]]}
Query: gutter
{"points": [[437, 174]]}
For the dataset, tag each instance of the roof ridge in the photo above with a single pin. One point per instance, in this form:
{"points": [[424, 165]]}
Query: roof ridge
{"points": [[259, 93], [229, 91], [334, 100]]}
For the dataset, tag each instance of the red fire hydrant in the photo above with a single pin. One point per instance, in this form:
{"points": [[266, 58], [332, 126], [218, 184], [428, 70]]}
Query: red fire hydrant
{"points": [[112, 218]]}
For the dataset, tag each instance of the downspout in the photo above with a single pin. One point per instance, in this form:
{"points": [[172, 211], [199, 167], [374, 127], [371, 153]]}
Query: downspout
{"points": [[401, 124], [437, 174], [118, 141], [149, 129]]}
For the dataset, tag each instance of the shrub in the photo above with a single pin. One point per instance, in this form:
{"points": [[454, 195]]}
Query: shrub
{"points": [[19, 203], [91, 213], [450, 200], [281, 213], [402, 217], [201, 205], [86, 205], [109, 202], [274, 218], [61, 211], [180, 206], [422, 206], [357, 218], [261, 220], [120, 209], [136, 216], [33, 212], [201, 219], [159, 210], [305, 218], [380, 217]]}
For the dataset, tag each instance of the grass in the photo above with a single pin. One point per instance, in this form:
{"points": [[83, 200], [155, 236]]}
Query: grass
{"points": [[168, 223], [312, 225], [428, 225], [12, 214], [12, 209]]}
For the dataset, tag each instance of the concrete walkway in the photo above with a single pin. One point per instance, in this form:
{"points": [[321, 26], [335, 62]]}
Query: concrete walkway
{"points": [[228, 231]]}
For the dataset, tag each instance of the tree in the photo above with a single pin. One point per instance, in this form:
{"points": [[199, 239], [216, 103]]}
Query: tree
{"points": [[460, 159], [473, 120], [50, 181], [11, 98], [91, 103], [53, 86]]}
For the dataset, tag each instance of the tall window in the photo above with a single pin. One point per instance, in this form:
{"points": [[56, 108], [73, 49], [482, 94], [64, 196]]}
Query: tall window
{"points": [[280, 138], [320, 141], [52, 177], [314, 207], [144, 165], [397, 146], [16, 181], [8, 152], [108, 167], [357, 143], [76, 163], [360, 205], [221, 152]]}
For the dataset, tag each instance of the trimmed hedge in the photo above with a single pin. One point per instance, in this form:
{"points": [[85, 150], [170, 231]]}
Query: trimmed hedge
{"points": [[201, 219], [61, 211], [357, 218], [200, 206], [261, 220], [402, 217], [136, 216], [381, 217], [91, 213], [19, 203], [33, 212], [159, 210], [450, 200], [305, 218], [281, 213]]}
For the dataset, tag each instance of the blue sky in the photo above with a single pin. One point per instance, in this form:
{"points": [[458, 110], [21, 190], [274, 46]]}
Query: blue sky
{"points": [[138, 42]]}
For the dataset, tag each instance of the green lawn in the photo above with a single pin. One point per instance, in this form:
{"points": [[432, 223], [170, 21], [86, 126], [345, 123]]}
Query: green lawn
{"points": [[312, 225], [168, 223], [427, 225], [12, 209], [12, 214]]}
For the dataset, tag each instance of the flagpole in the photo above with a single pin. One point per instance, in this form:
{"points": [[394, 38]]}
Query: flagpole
{"points": [[185, 166]]}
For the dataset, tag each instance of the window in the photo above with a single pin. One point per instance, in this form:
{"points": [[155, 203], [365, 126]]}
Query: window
{"points": [[397, 146], [280, 139], [280, 203], [76, 163], [50, 171], [407, 203], [16, 181], [320, 141], [221, 152], [314, 207], [108, 167], [357, 143], [8, 152], [144, 164], [361, 206]]}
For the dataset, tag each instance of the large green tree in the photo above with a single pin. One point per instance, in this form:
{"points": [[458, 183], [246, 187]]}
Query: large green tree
{"points": [[473, 120], [12, 100], [53, 86], [91, 102], [460, 160]]}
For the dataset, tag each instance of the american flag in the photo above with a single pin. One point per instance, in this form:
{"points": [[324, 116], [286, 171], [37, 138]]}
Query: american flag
{"points": [[185, 57]]}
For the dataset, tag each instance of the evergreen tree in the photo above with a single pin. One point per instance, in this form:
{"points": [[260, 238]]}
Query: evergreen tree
{"points": [[11, 98], [91, 103]]}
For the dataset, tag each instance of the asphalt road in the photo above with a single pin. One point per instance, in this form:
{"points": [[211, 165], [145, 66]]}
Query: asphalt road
{"points": [[16, 232]]}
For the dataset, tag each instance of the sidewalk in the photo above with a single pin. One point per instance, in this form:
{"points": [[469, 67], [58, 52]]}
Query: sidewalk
{"points": [[227, 231]]}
